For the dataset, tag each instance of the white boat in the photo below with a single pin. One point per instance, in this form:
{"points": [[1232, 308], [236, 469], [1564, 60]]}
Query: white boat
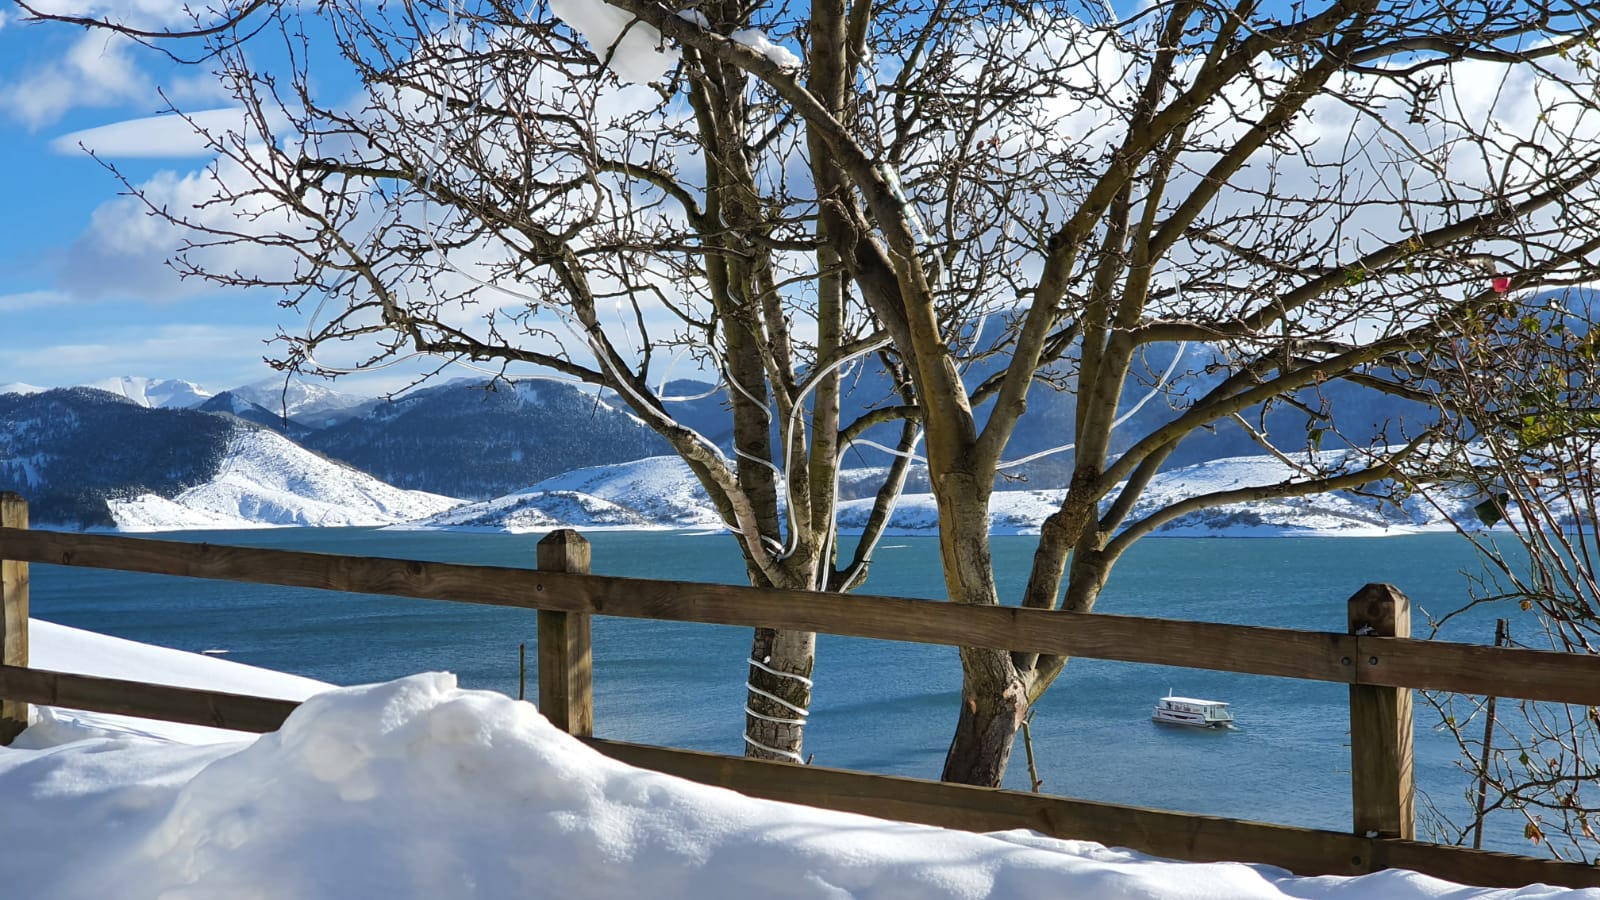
{"points": [[1192, 711]]}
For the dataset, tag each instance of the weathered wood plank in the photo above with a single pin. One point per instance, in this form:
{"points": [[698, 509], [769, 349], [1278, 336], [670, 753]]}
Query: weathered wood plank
{"points": [[1322, 656], [240, 712], [1260, 651], [566, 662], [1482, 670], [1174, 835], [13, 616], [1383, 802]]}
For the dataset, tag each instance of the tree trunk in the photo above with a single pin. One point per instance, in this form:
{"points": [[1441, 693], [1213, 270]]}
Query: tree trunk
{"points": [[994, 701], [779, 693]]}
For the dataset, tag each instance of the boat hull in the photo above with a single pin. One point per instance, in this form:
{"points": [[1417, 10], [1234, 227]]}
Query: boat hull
{"points": [[1190, 721]]}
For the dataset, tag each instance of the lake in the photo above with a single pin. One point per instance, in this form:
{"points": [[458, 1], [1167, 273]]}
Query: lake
{"points": [[879, 706]]}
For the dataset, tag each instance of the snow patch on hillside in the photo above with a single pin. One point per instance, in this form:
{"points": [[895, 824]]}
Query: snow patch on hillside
{"points": [[266, 479], [18, 387], [658, 492]]}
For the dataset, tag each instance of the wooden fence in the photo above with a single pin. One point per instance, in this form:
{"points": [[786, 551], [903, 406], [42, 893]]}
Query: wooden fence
{"points": [[1375, 658]]}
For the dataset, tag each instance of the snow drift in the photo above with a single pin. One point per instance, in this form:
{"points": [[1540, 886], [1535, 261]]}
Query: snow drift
{"points": [[416, 789]]}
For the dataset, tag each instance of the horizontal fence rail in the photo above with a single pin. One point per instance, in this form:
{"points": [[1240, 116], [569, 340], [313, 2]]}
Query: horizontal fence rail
{"points": [[1305, 851], [1252, 650], [190, 706], [1375, 665]]}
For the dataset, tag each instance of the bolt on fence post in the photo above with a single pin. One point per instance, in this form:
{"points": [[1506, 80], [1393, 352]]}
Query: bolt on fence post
{"points": [[13, 615], [566, 674], [1381, 776]]}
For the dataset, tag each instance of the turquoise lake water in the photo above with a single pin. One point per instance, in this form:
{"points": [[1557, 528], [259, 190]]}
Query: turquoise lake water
{"points": [[879, 706]]}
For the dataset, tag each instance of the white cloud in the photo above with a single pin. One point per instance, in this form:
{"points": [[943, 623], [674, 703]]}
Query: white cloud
{"points": [[97, 70], [125, 249], [33, 300], [154, 136], [142, 350]]}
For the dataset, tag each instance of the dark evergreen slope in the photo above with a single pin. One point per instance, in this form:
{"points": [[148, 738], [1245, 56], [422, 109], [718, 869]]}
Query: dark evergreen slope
{"points": [[231, 404], [67, 450], [464, 440]]}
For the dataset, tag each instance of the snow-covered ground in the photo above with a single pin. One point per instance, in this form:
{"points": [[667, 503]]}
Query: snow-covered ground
{"points": [[417, 789], [267, 479]]}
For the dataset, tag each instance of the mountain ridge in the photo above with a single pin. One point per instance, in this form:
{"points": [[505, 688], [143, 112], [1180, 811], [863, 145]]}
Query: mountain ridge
{"points": [[529, 456]]}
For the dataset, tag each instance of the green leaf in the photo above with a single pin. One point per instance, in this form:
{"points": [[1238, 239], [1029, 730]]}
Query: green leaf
{"points": [[1492, 510]]}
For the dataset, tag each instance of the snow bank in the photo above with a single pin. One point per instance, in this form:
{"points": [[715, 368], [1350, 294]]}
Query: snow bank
{"points": [[63, 649], [416, 789]]}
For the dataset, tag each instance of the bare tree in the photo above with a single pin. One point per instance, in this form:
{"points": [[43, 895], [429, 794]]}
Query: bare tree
{"points": [[1233, 207], [1524, 387]]}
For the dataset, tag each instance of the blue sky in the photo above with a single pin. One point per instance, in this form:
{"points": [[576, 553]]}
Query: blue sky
{"points": [[75, 307]]}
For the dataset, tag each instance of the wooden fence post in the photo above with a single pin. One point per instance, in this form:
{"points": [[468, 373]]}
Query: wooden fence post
{"points": [[566, 674], [1381, 782], [13, 615]]}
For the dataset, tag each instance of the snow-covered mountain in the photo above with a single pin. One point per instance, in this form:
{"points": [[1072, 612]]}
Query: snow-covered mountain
{"points": [[135, 459], [88, 458], [156, 393], [229, 403], [316, 405], [266, 479], [308, 403], [656, 492], [465, 440]]}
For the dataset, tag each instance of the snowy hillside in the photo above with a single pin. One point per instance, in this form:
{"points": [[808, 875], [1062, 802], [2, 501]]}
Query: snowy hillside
{"points": [[266, 479], [660, 492], [1339, 513], [18, 387], [656, 492]]}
